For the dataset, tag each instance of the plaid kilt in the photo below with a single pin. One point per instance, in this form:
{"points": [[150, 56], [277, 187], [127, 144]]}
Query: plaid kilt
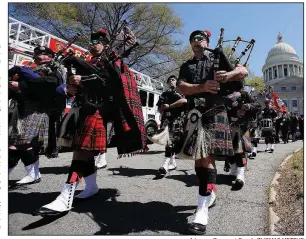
{"points": [[31, 127], [91, 135], [214, 136], [221, 144], [176, 128]]}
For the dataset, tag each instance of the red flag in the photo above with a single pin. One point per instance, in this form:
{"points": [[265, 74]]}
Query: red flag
{"points": [[278, 103]]}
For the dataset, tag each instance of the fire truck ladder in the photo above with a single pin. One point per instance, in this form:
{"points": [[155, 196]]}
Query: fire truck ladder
{"points": [[145, 81], [25, 37]]}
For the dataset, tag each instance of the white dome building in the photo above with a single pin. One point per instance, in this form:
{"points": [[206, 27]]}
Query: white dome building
{"points": [[284, 71]]}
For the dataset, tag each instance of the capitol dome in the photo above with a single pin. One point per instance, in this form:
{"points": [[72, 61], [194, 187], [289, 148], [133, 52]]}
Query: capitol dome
{"points": [[281, 62], [281, 51]]}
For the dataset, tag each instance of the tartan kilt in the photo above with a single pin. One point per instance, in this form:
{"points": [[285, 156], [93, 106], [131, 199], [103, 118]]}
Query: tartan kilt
{"points": [[221, 144], [91, 134], [31, 127], [216, 138], [176, 128]]}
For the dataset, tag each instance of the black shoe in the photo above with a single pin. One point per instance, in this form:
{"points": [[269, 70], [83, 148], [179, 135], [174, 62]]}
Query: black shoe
{"points": [[162, 171], [238, 185], [271, 151], [46, 212], [104, 166], [197, 229], [253, 154]]}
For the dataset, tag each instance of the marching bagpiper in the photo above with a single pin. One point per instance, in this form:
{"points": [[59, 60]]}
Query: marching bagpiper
{"points": [[239, 113], [208, 132], [267, 124], [108, 95], [38, 108], [171, 104]]}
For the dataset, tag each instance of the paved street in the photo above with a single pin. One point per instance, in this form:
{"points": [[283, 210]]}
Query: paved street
{"points": [[131, 202]]}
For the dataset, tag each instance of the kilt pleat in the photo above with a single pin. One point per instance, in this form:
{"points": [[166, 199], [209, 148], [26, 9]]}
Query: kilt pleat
{"points": [[31, 128], [221, 142], [210, 136], [92, 134]]}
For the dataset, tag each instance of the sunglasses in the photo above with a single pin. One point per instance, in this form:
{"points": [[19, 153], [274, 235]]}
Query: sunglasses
{"points": [[198, 38], [94, 42]]}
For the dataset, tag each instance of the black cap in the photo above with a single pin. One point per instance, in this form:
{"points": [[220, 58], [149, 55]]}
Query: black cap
{"points": [[203, 33], [43, 50], [101, 35]]}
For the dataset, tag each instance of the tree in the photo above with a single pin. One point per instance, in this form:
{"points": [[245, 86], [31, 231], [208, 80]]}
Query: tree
{"points": [[153, 25], [257, 82]]}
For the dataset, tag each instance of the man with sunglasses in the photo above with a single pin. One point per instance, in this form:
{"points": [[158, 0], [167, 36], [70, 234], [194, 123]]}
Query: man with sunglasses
{"points": [[200, 84], [112, 96], [171, 105], [97, 45], [39, 108]]}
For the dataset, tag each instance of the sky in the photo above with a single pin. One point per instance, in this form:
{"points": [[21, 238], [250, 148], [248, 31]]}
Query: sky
{"points": [[259, 21]]}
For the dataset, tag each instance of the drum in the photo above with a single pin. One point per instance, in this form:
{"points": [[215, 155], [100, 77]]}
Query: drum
{"points": [[266, 124]]}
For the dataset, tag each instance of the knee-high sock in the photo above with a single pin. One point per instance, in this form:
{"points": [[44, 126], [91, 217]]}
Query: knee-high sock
{"points": [[79, 169], [240, 160], [29, 157], [207, 180], [13, 158], [169, 151]]}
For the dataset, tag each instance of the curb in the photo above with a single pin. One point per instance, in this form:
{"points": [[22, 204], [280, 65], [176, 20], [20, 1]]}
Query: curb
{"points": [[273, 218]]}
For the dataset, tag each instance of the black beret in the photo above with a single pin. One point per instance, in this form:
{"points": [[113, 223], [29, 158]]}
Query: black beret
{"points": [[101, 35], [204, 33]]}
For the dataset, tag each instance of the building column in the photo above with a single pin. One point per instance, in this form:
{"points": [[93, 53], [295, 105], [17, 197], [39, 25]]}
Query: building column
{"points": [[293, 69], [277, 72], [264, 76], [299, 67]]}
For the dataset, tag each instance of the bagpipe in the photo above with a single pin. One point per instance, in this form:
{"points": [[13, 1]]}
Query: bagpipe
{"points": [[94, 78], [197, 138], [25, 73], [60, 56], [227, 63]]}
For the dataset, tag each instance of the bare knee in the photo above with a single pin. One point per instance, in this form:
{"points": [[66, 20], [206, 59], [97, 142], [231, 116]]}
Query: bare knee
{"points": [[208, 162]]}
